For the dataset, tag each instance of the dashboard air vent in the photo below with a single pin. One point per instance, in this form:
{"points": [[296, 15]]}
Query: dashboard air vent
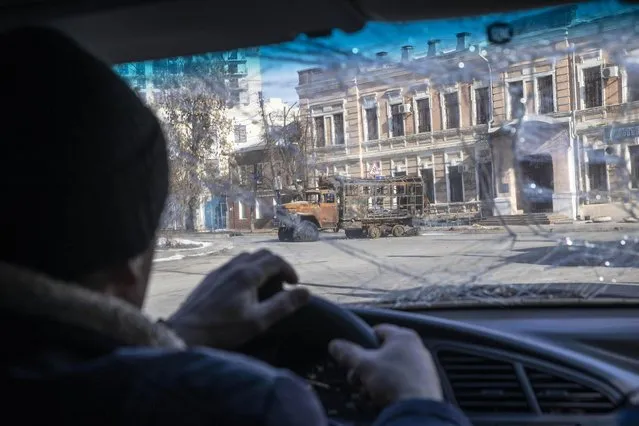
{"points": [[557, 395], [483, 385]]}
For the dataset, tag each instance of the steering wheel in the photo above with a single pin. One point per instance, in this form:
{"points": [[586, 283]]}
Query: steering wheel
{"points": [[300, 342], [326, 321], [316, 324]]}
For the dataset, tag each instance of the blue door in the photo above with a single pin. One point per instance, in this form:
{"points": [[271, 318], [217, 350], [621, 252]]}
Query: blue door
{"points": [[215, 213]]}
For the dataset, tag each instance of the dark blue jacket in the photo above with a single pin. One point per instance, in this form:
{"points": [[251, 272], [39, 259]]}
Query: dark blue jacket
{"points": [[72, 357], [62, 375]]}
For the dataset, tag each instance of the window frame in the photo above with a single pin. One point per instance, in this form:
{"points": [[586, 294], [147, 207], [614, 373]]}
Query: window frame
{"points": [[450, 91], [537, 97], [476, 86]]}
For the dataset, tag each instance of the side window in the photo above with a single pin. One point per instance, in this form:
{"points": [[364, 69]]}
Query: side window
{"points": [[329, 198]]}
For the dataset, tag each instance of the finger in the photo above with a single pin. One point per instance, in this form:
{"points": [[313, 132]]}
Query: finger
{"points": [[280, 306], [276, 265], [347, 354], [260, 268], [387, 331]]}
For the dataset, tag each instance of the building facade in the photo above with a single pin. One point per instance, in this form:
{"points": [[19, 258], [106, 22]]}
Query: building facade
{"points": [[241, 80], [547, 123], [265, 173]]}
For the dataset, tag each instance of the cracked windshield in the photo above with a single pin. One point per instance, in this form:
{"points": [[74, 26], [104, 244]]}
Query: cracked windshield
{"points": [[471, 160]]}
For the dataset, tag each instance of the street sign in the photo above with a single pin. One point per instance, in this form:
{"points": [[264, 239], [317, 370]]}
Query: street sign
{"points": [[374, 171], [619, 133]]}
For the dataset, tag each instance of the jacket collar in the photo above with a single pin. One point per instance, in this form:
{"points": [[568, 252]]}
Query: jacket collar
{"points": [[27, 293]]}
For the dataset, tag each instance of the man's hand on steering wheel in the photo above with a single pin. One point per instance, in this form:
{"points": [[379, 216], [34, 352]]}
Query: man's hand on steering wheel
{"points": [[401, 369], [224, 310]]}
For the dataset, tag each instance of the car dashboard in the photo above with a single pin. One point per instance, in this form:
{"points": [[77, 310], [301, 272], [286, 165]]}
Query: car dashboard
{"points": [[570, 366]]}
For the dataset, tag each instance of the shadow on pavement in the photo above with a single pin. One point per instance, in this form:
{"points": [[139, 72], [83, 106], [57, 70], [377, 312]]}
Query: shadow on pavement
{"points": [[611, 254]]}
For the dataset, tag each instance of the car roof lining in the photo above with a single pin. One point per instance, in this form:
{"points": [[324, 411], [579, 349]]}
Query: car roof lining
{"points": [[131, 30]]}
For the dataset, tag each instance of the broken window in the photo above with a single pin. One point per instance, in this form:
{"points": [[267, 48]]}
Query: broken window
{"points": [[423, 115], [240, 133], [338, 121], [451, 103], [632, 73], [546, 94], [320, 135], [482, 105], [455, 184], [593, 87], [597, 170], [371, 123], [516, 94], [428, 178], [397, 120]]}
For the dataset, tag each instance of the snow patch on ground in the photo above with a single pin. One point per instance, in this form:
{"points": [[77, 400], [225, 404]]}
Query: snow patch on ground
{"points": [[164, 243], [205, 249]]}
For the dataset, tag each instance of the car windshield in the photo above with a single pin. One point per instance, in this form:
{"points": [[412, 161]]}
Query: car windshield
{"points": [[476, 159]]}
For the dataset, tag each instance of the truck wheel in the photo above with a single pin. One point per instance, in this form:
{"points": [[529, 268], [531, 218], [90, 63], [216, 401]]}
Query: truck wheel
{"points": [[398, 230], [306, 231], [374, 232], [285, 234]]}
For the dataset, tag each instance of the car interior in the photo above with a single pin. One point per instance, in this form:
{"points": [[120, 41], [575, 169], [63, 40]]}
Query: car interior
{"points": [[555, 363]]}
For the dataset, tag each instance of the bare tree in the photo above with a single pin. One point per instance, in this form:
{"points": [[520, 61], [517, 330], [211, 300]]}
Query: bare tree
{"points": [[192, 105], [288, 141]]}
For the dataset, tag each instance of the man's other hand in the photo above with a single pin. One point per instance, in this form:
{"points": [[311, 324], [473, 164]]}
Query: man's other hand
{"points": [[224, 311], [401, 369]]}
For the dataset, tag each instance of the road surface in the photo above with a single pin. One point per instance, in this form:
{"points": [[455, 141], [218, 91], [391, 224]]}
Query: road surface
{"points": [[357, 270]]}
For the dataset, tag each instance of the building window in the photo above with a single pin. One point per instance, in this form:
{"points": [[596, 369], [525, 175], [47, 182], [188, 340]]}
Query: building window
{"points": [[234, 97], [593, 87], [258, 173], [597, 170], [634, 166], [546, 94], [485, 177], [258, 210], [456, 184], [482, 104], [338, 122], [451, 103], [423, 115], [516, 94], [397, 120], [240, 133], [241, 210], [632, 83], [371, 124], [320, 133], [428, 178]]}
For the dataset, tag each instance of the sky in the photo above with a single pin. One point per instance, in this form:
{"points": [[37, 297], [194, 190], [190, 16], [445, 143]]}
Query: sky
{"points": [[280, 63]]}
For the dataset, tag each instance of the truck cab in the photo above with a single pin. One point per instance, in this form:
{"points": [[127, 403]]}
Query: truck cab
{"points": [[318, 211]]}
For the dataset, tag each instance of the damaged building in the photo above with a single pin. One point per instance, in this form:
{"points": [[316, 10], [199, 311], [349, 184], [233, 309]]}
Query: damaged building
{"points": [[547, 124]]}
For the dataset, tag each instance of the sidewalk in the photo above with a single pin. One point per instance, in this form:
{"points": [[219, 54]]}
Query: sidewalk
{"points": [[631, 228]]}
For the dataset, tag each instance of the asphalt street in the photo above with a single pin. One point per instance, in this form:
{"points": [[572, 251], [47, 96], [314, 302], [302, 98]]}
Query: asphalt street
{"points": [[358, 270]]}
